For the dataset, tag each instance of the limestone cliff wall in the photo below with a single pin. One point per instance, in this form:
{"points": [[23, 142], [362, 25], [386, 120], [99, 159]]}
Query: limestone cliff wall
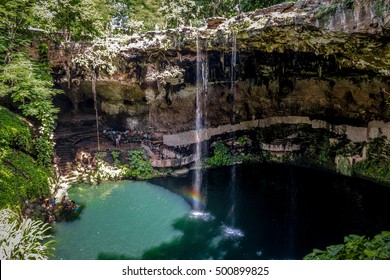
{"points": [[327, 60]]}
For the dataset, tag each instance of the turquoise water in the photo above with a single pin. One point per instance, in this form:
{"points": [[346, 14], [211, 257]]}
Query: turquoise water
{"points": [[124, 218], [257, 211]]}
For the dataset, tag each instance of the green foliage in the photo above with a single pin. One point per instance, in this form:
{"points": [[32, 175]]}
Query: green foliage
{"points": [[16, 17], [75, 19], [100, 155], [327, 10], [179, 12], [14, 131], [42, 50], [136, 15], [21, 176], [377, 164], [139, 168], [356, 247], [89, 19], [250, 5], [378, 150], [380, 6], [243, 140], [347, 4], [345, 147], [229, 8], [222, 155], [130, 15], [22, 239], [324, 153], [343, 166], [320, 147], [115, 157], [30, 86], [224, 8], [44, 147], [371, 170]]}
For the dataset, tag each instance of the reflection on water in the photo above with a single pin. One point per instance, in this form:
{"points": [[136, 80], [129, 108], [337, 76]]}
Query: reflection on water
{"points": [[280, 212]]}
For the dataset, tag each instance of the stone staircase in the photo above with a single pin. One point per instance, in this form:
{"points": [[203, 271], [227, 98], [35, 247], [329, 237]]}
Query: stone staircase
{"points": [[68, 137]]}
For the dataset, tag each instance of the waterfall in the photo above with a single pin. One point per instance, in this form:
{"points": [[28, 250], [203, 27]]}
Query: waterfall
{"points": [[233, 171], [202, 72], [231, 218], [230, 230]]}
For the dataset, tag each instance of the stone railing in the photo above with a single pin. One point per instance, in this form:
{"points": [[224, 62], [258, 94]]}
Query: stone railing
{"points": [[353, 133]]}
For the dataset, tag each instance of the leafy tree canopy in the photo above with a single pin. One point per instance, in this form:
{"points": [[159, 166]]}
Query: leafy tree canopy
{"points": [[143, 15], [74, 19]]}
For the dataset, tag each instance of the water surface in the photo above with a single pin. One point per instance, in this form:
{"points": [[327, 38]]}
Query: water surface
{"points": [[260, 211], [120, 219]]}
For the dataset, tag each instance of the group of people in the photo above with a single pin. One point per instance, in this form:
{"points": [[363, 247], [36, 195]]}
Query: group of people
{"points": [[53, 211], [68, 205], [128, 136], [48, 208]]}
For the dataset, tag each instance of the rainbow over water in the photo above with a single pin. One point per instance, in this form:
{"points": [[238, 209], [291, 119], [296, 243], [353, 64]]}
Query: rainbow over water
{"points": [[194, 197]]}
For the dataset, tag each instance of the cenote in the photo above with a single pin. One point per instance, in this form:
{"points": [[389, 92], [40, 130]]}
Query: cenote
{"points": [[254, 211]]}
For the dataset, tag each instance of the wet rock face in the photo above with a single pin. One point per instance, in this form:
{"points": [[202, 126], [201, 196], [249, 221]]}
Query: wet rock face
{"points": [[323, 59]]}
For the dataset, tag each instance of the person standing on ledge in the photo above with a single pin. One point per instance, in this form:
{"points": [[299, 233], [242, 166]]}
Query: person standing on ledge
{"points": [[117, 140]]}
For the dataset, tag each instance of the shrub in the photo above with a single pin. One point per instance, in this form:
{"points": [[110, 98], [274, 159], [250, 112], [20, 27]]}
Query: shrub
{"points": [[139, 168], [115, 157], [356, 247], [221, 155]]}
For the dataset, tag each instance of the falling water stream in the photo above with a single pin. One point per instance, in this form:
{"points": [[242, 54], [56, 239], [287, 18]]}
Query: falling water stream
{"points": [[201, 89], [229, 229]]}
